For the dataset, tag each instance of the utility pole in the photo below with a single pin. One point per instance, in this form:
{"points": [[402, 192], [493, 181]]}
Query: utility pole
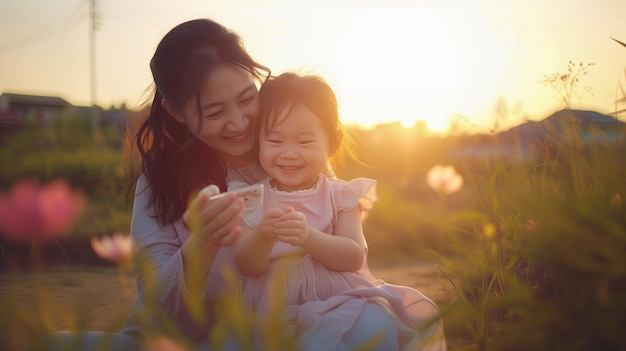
{"points": [[95, 113]]}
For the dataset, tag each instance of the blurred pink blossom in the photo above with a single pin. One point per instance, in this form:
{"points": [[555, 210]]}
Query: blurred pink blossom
{"points": [[162, 343], [116, 247], [33, 212], [532, 226], [616, 201], [444, 179]]}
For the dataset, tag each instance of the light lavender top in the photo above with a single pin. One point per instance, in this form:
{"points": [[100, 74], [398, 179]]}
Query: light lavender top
{"points": [[159, 247]]}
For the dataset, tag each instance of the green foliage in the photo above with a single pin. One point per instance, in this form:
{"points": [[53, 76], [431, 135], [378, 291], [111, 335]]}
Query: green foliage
{"points": [[397, 225], [582, 248], [543, 267], [542, 288], [68, 150], [533, 246]]}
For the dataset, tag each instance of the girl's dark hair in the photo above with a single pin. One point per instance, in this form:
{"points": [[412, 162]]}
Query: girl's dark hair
{"points": [[176, 163]]}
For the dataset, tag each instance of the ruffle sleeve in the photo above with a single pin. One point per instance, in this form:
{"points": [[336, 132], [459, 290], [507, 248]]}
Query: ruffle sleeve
{"points": [[358, 192]]}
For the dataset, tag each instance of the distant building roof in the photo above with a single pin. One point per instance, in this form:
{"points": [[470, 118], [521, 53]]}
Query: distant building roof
{"points": [[34, 100]]}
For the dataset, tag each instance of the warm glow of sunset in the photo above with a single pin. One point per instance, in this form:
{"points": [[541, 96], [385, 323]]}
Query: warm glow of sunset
{"points": [[417, 64], [397, 60], [398, 49], [392, 67]]}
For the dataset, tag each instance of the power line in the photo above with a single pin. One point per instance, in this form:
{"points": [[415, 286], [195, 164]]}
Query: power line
{"points": [[63, 24]]}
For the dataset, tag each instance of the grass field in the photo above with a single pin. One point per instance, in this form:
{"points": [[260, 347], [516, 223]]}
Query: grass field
{"points": [[98, 297]]}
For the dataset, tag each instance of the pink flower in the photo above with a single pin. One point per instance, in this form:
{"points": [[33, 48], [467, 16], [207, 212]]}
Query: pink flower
{"points": [[37, 213], [532, 226], [116, 247], [444, 179], [162, 343], [616, 201]]}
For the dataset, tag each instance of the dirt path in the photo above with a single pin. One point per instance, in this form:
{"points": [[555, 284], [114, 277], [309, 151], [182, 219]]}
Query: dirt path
{"points": [[96, 298]]}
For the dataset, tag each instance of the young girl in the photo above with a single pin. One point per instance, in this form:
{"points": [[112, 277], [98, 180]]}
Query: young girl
{"points": [[307, 243]]}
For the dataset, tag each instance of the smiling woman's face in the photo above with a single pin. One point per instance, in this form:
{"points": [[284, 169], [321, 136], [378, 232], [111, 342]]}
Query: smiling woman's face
{"points": [[229, 105]]}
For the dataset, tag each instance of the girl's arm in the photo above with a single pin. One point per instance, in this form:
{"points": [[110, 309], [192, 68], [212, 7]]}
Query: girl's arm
{"points": [[343, 251], [252, 250]]}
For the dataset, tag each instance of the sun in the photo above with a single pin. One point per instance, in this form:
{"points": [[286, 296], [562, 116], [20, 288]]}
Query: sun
{"points": [[396, 64], [398, 49], [413, 64]]}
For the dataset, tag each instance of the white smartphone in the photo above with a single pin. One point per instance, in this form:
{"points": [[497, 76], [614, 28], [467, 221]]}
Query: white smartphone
{"points": [[252, 195]]}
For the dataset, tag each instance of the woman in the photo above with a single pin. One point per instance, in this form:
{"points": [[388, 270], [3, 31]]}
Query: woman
{"points": [[201, 132]]}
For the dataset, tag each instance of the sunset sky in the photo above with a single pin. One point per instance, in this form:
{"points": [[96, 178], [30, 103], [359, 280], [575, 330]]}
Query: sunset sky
{"points": [[387, 60]]}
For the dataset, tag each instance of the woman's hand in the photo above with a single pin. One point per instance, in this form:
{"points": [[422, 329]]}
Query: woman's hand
{"points": [[217, 222], [214, 223]]}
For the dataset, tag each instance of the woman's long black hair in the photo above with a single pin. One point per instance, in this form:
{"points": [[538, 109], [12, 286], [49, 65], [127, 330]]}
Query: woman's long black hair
{"points": [[176, 163]]}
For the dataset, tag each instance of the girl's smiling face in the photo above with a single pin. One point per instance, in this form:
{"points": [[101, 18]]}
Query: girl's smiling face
{"points": [[295, 150]]}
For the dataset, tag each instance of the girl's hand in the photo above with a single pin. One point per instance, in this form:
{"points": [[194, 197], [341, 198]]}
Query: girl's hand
{"points": [[270, 218], [292, 227], [217, 222]]}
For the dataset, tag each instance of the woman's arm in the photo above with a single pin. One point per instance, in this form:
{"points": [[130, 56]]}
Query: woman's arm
{"points": [[213, 223], [345, 249], [162, 259]]}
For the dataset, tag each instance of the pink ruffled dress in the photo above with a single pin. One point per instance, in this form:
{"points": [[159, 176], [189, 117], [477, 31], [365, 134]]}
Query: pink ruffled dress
{"points": [[322, 302]]}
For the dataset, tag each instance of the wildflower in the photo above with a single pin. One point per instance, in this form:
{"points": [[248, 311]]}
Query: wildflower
{"points": [[489, 231], [37, 213], [162, 343], [616, 201], [531, 226], [444, 179], [116, 247]]}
